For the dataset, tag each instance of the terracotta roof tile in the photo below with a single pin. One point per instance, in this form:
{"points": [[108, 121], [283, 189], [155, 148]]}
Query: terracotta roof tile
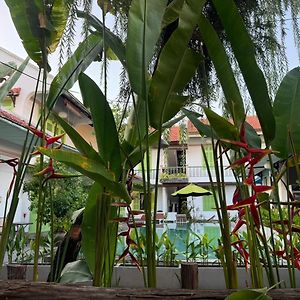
{"points": [[13, 118], [252, 120], [174, 134]]}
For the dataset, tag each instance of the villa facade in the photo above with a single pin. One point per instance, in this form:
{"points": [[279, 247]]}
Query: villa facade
{"points": [[181, 163], [14, 119]]}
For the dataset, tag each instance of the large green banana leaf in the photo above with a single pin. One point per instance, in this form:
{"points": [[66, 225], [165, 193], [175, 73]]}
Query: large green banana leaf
{"points": [[219, 57], [39, 26], [203, 129], [172, 12], [286, 112], [79, 142], [89, 228], [93, 169], [103, 236], [223, 128], [12, 80], [245, 54], [144, 27], [177, 63], [84, 55], [75, 272], [104, 124], [111, 40], [135, 128]]}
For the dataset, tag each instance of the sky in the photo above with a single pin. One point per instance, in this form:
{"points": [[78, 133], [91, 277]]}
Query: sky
{"points": [[9, 40]]}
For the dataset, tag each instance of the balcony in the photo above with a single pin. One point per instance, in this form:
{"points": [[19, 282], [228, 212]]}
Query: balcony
{"points": [[186, 174]]}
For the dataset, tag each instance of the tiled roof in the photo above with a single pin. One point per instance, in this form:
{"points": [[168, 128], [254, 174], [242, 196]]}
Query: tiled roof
{"points": [[252, 120], [12, 118], [174, 134]]}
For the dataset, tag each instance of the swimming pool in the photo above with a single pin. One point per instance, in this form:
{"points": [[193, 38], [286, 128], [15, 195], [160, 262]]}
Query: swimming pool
{"points": [[177, 242]]}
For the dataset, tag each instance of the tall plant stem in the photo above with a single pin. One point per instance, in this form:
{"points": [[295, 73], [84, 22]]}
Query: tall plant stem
{"points": [[269, 265], [255, 266], [41, 200], [228, 267], [145, 190], [52, 232], [277, 200], [102, 239], [22, 166]]}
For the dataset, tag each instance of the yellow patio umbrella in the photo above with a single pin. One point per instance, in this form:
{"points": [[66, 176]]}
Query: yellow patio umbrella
{"points": [[192, 190]]}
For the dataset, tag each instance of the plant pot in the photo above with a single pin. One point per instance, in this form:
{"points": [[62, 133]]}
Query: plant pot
{"points": [[16, 271]]}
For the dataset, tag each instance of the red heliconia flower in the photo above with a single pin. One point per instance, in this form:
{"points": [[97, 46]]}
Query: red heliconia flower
{"points": [[261, 188], [250, 178], [126, 233], [296, 258], [242, 212], [49, 170], [48, 139], [238, 225], [236, 143], [51, 140], [37, 132], [236, 196], [255, 215], [245, 202]]}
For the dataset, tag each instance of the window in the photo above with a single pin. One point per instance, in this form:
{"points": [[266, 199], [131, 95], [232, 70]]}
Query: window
{"points": [[7, 103], [208, 203], [136, 203], [209, 155]]}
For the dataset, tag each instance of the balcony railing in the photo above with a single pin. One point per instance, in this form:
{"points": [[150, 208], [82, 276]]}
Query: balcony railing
{"points": [[186, 173]]}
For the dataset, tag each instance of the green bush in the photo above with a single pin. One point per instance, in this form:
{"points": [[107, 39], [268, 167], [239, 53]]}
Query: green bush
{"points": [[67, 194]]}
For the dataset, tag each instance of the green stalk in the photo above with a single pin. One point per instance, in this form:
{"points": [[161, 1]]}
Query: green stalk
{"points": [[43, 123], [39, 221], [150, 223], [268, 265], [100, 238], [252, 251], [277, 200], [294, 156], [22, 166], [224, 223], [52, 232]]}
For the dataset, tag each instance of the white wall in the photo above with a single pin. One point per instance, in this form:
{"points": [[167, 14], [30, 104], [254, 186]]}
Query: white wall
{"points": [[6, 175], [26, 83]]}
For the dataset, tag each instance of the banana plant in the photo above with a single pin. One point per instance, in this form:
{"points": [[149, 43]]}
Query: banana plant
{"points": [[40, 26], [86, 52]]}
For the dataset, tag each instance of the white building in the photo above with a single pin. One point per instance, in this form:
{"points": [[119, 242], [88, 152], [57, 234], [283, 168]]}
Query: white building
{"points": [[183, 163], [14, 117]]}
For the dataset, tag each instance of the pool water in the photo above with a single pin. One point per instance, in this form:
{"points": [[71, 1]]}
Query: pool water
{"points": [[182, 242]]}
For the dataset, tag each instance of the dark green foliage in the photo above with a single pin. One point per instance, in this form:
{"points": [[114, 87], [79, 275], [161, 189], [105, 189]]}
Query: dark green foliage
{"points": [[68, 195]]}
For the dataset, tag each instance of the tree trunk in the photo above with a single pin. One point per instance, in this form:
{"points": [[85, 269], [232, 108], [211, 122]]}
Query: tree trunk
{"points": [[17, 290], [189, 276]]}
